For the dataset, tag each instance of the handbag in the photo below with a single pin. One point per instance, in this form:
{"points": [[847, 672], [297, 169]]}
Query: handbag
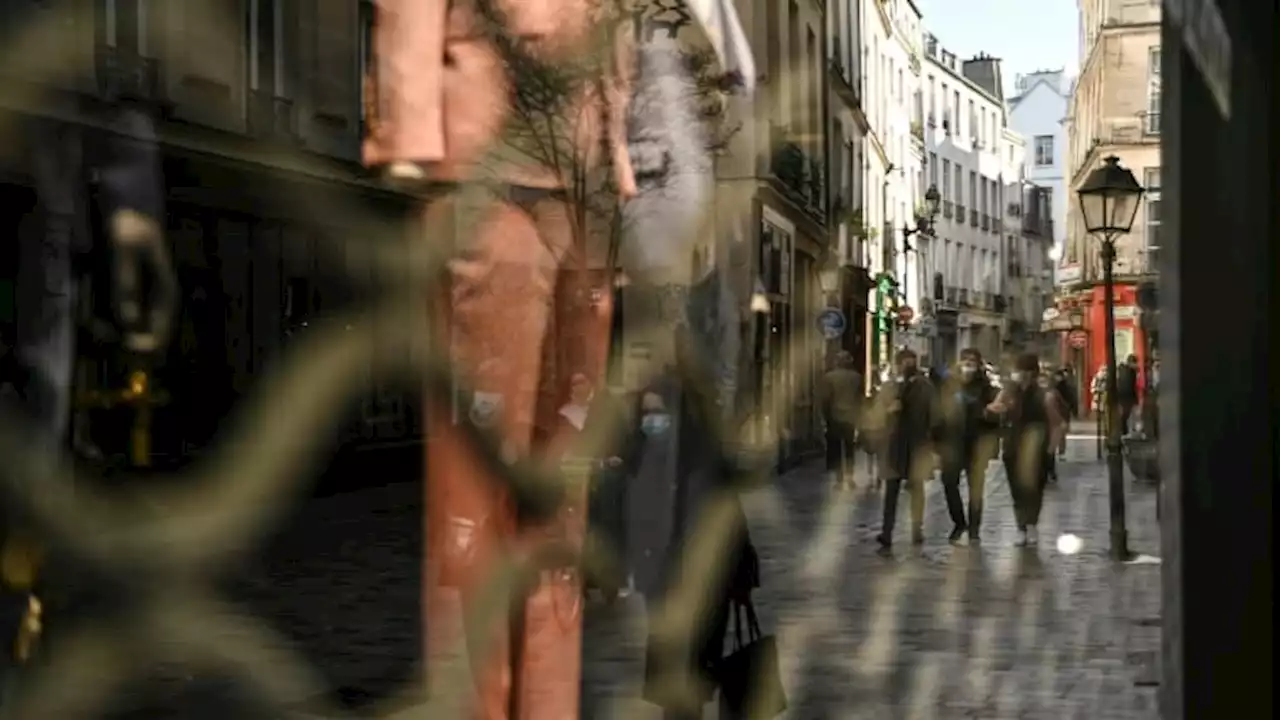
{"points": [[749, 677]]}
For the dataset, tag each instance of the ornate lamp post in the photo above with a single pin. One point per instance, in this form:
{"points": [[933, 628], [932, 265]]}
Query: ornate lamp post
{"points": [[1109, 200], [924, 226]]}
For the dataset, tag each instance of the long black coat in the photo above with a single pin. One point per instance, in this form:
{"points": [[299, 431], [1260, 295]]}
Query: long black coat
{"points": [[903, 423], [679, 662], [966, 432]]}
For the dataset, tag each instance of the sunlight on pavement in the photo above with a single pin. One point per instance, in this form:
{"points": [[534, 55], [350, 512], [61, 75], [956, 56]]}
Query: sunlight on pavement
{"points": [[1069, 544]]}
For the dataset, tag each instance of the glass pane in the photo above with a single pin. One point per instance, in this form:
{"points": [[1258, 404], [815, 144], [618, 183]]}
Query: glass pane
{"points": [[1122, 209]]}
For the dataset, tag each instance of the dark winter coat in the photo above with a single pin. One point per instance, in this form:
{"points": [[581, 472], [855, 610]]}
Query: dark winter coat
{"points": [[1027, 422], [705, 476], [966, 431], [902, 426]]}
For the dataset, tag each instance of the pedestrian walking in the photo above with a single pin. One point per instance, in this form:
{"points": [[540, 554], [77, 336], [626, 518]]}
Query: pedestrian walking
{"points": [[1059, 419], [902, 421], [1066, 390], [968, 439], [682, 481], [1127, 391], [841, 402], [1026, 422]]}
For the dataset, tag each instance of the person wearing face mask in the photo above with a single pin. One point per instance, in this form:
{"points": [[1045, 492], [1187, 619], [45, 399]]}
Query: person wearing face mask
{"points": [[1026, 444], [967, 441], [901, 422]]}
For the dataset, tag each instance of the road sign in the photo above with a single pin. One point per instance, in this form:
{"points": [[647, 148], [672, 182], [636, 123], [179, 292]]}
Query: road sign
{"points": [[906, 314], [832, 323], [1077, 339]]}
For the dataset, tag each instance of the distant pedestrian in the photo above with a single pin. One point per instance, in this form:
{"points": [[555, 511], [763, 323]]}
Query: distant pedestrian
{"points": [[1059, 418], [968, 439], [902, 423], [1127, 391], [1066, 390], [1098, 392], [1025, 444], [840, 397]]}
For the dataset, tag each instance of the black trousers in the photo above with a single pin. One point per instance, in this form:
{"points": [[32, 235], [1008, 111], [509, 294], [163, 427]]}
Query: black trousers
{"points": [[1126, 412], [1028, 475], [975, 470], [894, 486], [840, 448]]}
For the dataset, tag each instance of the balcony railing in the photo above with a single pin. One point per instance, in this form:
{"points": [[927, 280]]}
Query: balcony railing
{"points": [[917, 131], [1151, 123], [946, 209], [986, 221], [973, 218], [1125, 131], [964, 297], [959, 213], [801, 177]]}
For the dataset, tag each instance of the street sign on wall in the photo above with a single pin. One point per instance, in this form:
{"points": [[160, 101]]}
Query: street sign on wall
{"points": [[832, 323]]}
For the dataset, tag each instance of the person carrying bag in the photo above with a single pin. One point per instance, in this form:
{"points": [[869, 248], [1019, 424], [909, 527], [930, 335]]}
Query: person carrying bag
{"points": [[749, 677]]}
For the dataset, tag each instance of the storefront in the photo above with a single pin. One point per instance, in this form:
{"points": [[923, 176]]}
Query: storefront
{"points": [[1131, 338]]}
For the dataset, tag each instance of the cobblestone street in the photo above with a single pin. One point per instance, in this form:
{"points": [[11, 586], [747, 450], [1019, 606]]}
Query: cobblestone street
{"points": [[935, 632], [940, 632]]}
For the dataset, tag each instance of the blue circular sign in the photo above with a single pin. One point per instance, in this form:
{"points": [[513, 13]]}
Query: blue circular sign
{"points": [[832, 323]]}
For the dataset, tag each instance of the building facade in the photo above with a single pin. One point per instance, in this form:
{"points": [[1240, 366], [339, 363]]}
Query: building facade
{"points": [[850, 266], [779, 160], [1114, 110], [1038, 113], [261, 107], [891, 74], [969, 150]]}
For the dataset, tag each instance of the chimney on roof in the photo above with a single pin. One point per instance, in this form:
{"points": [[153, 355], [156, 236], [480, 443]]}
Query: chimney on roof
{"points": [[984, 71]]}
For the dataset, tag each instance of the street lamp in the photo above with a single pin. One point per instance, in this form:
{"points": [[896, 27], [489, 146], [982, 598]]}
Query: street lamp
{"points": [[1109, 201], [829, 279], [924, 226]]}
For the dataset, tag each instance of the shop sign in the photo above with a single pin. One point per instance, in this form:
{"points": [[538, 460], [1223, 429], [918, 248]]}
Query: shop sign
{"points": [[1078, 339]]}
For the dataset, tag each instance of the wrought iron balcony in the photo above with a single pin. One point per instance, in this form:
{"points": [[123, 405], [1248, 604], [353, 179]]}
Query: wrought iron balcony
{"points": [[800, 177]]}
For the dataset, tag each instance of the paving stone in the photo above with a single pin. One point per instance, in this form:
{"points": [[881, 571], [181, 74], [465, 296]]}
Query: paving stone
{"points": [[933, 632]]}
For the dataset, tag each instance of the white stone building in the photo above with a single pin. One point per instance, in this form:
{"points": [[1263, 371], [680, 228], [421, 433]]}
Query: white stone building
{"points": [[891, 76], [1029, 232], [969, 151], [1038, 113]]}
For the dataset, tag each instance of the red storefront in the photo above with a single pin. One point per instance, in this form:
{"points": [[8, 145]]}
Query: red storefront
{"points": [[1130, 338]]}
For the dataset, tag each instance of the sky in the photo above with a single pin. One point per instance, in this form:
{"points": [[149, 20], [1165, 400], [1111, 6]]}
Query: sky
{"points": [[1028, 35]]}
